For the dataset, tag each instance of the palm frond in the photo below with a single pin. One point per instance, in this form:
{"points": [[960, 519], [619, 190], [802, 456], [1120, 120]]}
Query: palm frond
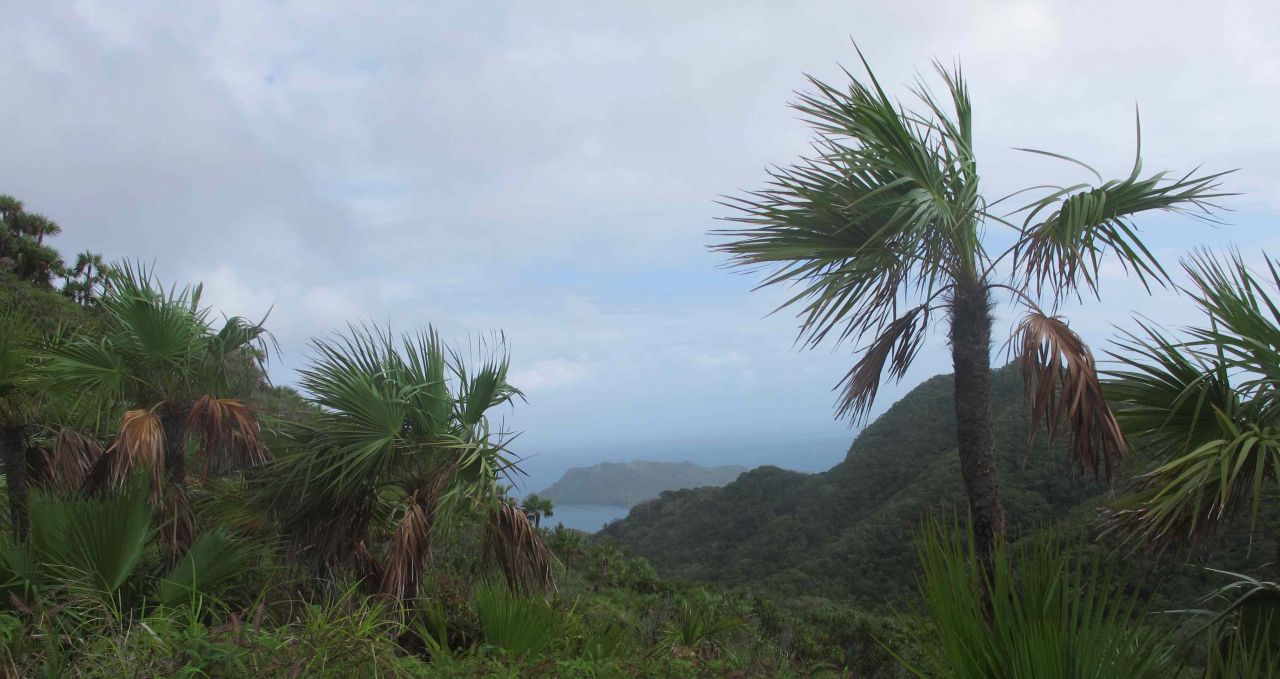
{"points": [[886, 210], [98, 540], [1167, 392], [512, 543], [1196, 492], [213, 559], [896, 346], [1064, 250], [139, 445], [517, 623], [67, 462], [1205, 406], [1061, 380], [1244, 332], [1036, 612], [403, 572], [230, 436]]}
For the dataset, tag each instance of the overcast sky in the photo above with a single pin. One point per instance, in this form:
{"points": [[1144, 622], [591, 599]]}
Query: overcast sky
{"points": [[549, 169]]}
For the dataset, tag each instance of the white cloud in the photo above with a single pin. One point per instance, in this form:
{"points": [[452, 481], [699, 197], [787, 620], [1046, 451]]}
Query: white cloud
{"points": [[328, 307], [546, 375], [225, 291]]}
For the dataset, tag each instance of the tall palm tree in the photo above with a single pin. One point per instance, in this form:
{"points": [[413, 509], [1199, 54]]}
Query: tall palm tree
{"points": [[884, 228], [163, 372], [86, 279], [402, 432]]}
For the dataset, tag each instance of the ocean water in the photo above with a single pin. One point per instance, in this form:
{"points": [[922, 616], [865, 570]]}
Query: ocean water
{"points": [[590, 518]]}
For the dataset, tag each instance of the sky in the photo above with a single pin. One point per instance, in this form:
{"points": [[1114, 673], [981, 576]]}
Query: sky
{"points": [[551, 170]]}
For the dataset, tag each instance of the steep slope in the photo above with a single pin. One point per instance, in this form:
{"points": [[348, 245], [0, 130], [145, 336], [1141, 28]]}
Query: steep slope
{"points": [[626, 483]]}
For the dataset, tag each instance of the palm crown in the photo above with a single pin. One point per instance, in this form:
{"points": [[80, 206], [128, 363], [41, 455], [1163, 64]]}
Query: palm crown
{"points": [[402, 435]]}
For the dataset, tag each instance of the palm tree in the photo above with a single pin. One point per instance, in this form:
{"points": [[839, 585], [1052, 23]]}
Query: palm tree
{"points": [[401, 433], [162, 369], [22, 240], [884, 228], [18, 397], [86, 280], [538, 507]]}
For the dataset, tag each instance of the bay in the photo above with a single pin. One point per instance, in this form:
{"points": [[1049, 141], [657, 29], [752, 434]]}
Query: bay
{"points": [[590, 518]]}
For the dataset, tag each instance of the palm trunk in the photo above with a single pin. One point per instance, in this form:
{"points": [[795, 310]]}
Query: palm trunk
{"points": [[971, 357], [175, 449], [15, 471]]}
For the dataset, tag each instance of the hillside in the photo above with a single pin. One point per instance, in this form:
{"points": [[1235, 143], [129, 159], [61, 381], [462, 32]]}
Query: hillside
{"points": [[848, 533], [624, 484]]}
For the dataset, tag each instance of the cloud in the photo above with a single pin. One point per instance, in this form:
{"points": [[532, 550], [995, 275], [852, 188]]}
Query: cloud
{"points": [[555, 373], [326, 306], [225, 291], [549, 169]]}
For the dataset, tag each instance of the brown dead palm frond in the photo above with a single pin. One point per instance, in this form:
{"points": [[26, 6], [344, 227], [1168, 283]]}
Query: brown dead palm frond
{"points": [[139, 445], [512, 543], [230, 436], [176, 519], [67, 462], [1062, 384], [403, 572], [367, 566], [896, 346]]}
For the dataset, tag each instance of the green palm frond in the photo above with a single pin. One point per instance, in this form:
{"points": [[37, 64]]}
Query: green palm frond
{"points": [[1198, 491], [213, 559], [98, 541], [1244, 333], [885, 211], [1205, 406], [1064, 249], [885, 207], [1167, 393], [1039, 612], [155, 345]]}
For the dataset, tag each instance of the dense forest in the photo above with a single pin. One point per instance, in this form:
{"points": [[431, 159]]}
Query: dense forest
{"points": [[170, 512]]}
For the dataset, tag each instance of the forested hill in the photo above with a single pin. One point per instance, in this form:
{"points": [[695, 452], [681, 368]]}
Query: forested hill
{"points": [[848, 532], [625, 483]]}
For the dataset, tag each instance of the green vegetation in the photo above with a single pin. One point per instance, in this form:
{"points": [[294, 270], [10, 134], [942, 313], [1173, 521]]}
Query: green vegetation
{"points": [[176, 515], [625, 484]]}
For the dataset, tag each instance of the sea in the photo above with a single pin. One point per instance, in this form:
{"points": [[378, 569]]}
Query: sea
{"points": [[589, 518]]}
